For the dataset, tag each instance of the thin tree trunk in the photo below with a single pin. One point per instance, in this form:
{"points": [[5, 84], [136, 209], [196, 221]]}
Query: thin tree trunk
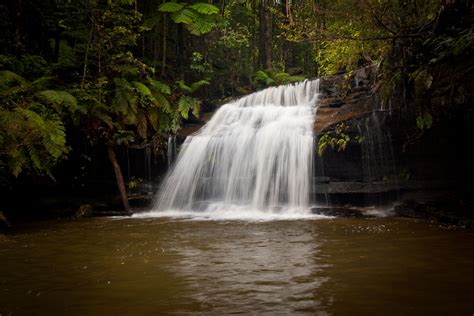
{"points": [[180, 50], [165, 30], [119, 178], [57, 44], [19, 9], [265, 35]]}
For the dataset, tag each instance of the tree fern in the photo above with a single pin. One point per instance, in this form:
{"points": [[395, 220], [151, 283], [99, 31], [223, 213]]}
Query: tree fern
{"points": [[205, 8], [59, 100], [170, 7], [202, 24], [185, 16]]}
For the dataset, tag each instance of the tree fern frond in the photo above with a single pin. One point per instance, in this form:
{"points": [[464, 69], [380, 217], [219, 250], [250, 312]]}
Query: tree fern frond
{"points": [[59, 99], [205, 8], [198, 84], [185, 16], [142, 89], [184, 87], [202, 24], [170, 7]]}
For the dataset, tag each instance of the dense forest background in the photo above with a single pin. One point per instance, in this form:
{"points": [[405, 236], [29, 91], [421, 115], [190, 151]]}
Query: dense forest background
{"points": [[84, 82]]}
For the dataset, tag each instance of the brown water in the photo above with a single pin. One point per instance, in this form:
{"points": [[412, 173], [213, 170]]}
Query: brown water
{"points": [[165, 266]]}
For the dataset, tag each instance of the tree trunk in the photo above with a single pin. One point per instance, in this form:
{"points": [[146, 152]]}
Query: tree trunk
{"points": [[119, 178], [57, 44], [180, 49], [18, 18], [265, 36]]}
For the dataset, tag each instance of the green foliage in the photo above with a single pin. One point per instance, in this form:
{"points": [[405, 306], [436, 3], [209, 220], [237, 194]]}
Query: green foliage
{"points": [[200, 65], [60, 100], [134, 182], [337, 139], [32, 140], [424, 121], [460, 43], [199, 18], [186, 104], [264, 79]]}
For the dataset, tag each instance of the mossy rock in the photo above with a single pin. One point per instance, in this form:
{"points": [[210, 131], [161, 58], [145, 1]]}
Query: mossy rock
{"points": [[84, 211]]}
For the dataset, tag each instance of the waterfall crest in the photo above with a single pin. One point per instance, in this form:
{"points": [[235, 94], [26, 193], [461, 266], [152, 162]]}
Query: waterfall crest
{"points": [[256, 153]]}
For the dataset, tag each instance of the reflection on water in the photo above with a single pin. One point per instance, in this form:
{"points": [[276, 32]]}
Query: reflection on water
{"points": [[252, 267], [164, 266]]}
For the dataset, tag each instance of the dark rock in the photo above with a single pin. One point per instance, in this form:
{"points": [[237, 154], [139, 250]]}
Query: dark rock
{"points": [[444, 210], [4, 223], [350, 212], [411, 209]]}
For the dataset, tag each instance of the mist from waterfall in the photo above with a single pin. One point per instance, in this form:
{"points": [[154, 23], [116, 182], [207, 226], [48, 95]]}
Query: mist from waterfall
{"points": [[254, 157]]}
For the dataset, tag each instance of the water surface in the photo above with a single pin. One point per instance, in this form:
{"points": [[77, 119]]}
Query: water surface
{"points": [[173, 266]]}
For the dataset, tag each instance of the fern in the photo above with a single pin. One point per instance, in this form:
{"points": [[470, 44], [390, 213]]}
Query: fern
{"points": [[10, 79], [184, 87], [199, 18], [159, 86], [184, 16], [142, 124], [33, 141], [198, 84], [59, 99], [202, 24], [142, 89], [187, 103], [170, 7], [125, 100], [205, 8]]}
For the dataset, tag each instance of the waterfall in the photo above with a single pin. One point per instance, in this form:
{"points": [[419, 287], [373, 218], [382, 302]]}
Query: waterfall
{"points": [[171, 153], [255, 154]]}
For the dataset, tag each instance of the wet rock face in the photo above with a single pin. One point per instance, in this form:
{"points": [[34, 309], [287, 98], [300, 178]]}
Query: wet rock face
{"points": [[364, 166], [345, 97], [394, 157]]}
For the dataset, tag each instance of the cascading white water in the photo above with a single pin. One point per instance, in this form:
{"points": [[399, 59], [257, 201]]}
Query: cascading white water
{"points": [[254, 155]]}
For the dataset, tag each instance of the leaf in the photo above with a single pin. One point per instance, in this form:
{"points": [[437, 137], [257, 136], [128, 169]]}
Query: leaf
{"points": [[198, 84], [184, 105], [205, 8], [59, 99], [159, 86], [170, 7], [153, 119], [142, 89], [200, 26], [184, 16], [184, 86], [142, 124], [9, 79], [125, 99]]}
